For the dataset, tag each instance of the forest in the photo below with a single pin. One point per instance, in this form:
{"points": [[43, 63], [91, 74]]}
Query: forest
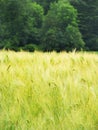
{"points": [[47, 25]]}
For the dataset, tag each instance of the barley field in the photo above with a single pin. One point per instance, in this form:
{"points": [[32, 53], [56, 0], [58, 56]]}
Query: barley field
{"points": [[48, 91]]}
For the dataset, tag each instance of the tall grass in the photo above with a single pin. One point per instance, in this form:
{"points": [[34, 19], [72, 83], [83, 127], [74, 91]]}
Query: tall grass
{"points": [[48, 91]]}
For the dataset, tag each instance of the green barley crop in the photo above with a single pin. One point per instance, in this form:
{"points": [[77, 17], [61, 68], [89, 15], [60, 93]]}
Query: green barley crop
{"points": [[48, 91]]}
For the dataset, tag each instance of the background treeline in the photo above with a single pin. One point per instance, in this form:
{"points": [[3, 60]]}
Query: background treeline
{"points": [[49, 25]]}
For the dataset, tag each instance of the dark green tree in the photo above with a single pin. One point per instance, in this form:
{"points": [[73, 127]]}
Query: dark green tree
{"points": [[60, 29], [22, 22], [88, 21], [13, 18], [45, 4], [34, 21]]}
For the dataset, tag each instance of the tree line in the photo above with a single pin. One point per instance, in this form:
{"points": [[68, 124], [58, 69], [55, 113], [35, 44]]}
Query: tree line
{"points": [[49, 25]]}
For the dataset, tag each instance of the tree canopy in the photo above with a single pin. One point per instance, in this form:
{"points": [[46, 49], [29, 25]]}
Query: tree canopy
{"points": [[60, 28], [49, 24], [88, 21]]}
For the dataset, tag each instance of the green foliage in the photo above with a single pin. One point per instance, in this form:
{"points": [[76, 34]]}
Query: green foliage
{"points": [[30, 47], [23, 20], [74, 39], [45, 4], [59, 27], [88, 17], [51, 25], [35, 20]]}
